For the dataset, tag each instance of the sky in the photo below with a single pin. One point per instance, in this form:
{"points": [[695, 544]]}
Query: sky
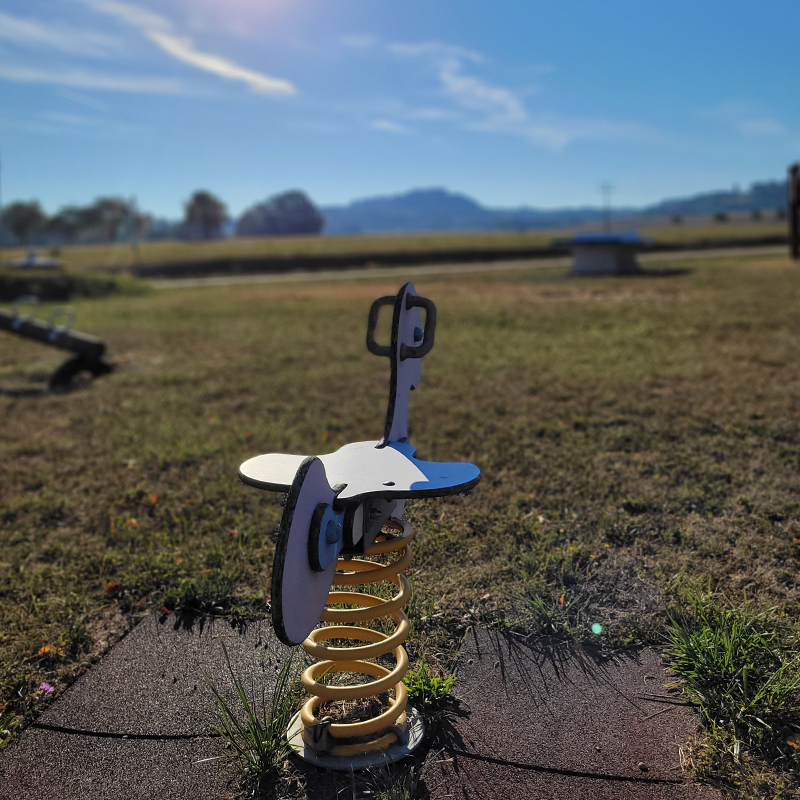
{"points": [[512, 102]]}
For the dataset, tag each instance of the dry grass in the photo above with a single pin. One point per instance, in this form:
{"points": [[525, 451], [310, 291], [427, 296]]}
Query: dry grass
{"points": [[628, 429], [120, 256]]}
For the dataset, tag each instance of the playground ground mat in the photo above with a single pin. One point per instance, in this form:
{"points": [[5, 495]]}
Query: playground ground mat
{"points": [[535, 719]]}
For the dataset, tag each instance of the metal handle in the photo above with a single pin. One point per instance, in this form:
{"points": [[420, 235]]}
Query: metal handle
{"points": [[414, 301], [55, 314], [372, 321], [22, 302]]}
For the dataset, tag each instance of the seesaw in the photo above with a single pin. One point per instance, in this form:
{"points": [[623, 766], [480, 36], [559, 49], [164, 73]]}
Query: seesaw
{"points": [[57, 332], [342, 509]]}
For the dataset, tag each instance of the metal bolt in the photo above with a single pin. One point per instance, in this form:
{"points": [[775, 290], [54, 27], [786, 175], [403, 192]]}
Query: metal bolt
{"points": [[418, 333], [333, 532]]}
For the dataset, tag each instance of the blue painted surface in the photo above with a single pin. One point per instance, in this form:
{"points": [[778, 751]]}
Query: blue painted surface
{"points": [[630, 238]]}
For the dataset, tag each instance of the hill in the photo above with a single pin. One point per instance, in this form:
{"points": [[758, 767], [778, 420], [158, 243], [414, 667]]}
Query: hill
{"points": [[438, 209]]}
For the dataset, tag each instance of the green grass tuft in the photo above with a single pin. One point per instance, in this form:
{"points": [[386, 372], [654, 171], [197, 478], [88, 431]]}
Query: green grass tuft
{"points": [[548, 614], [209, 594], [741, 667], [255, 726], [431, 694], [400, 781]]}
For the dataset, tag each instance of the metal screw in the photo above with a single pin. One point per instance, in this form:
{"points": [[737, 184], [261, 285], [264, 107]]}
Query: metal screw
{"points": [[418, 333], [333, 532]]}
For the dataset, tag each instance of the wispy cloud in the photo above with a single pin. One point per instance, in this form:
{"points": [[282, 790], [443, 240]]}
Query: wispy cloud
{"points": [[762, 126], [497, 102], [80, 120], [85, 100], [184, 50], [499, 109], [79, 79], [92, 124], [131, 14], [160, 31], [746, 118], [57, 123], [433, 49], [358, 41], [389, 126], [432, 114], [477, 104], [33, 33]]}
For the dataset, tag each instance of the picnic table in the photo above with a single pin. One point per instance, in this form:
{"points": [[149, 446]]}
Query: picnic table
{"points": [[604, 253]]}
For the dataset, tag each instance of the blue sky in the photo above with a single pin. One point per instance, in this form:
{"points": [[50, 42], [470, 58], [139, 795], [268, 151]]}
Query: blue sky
{"points": [[513, 102]]}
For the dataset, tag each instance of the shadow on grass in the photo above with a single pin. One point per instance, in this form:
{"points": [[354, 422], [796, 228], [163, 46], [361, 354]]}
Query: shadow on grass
{"points": [[663, 272], [77, 385], [650, 272], [24, 392]]}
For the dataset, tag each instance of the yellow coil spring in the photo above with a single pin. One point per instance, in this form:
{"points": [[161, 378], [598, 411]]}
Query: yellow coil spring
{"points": [[357, 572]]}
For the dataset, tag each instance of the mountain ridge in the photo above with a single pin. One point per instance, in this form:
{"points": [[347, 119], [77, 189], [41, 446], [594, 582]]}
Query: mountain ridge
{"points": [[436, 208]]}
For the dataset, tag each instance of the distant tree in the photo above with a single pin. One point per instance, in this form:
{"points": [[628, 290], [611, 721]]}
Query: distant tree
{"points": [[66, 223], [756, 213], [110, 213], [100, 221], [205, 212], [22, 219], [290, 213], [720, 216], [141, 223], [677, 219], [780, 213]]}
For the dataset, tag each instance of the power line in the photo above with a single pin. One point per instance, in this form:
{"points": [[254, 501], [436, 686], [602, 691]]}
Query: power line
{"points": [[606, 188]]}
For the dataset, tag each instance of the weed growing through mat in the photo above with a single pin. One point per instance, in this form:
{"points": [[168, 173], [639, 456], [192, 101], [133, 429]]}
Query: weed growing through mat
{"points": [[255, 728], [741, 668], [8, 726], [431, 694], [399, 781]]}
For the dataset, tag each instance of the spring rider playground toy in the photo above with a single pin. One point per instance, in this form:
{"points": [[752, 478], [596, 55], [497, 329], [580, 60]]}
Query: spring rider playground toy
{"points": [[343, 509]]}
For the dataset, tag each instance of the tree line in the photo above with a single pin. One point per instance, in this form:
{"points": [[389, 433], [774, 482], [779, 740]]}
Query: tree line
{"points": [[110, 219]]}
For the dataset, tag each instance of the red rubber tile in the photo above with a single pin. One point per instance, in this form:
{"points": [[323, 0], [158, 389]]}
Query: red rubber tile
{"points": [[546, 723], [150, 687]]}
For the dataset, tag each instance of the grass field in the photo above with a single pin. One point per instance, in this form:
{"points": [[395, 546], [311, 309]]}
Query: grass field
{"points": [[639, 440], [119, 256]]}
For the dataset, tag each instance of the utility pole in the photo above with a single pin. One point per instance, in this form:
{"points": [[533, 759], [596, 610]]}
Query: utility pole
{"points": [[794, 210], [133, 228], [1, 209], [606, 188]]}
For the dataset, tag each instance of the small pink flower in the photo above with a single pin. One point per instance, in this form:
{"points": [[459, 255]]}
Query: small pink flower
{"points": [[46, 687]]}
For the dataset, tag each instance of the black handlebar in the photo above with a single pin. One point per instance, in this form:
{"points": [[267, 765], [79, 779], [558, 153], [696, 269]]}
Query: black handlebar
{"points": [[406, 351]]}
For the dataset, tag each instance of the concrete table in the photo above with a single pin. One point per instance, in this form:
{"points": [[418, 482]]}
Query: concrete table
{"points": [[604, 253], [34, 261]]}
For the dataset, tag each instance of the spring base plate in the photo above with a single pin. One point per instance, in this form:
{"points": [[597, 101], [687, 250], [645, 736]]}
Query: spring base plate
{"points": [[416, 732]]}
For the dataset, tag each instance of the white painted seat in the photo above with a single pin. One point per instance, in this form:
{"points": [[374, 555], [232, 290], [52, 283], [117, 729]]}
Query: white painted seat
{"points": [[367, 470]]}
